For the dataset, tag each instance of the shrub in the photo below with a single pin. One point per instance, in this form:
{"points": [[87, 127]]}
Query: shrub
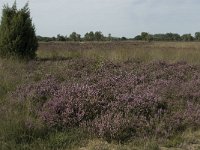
{"points": [[117, 103], [17, 33]]}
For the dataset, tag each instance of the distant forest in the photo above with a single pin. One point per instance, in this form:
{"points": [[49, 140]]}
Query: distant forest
{"points": [[144, 36]]}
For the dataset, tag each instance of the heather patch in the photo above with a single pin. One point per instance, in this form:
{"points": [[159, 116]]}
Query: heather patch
{"points": [[118, 101]]}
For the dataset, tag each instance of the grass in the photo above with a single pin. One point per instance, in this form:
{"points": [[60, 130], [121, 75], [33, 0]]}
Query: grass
{"points": [[122, 51], [187, 140], [57, 59]]}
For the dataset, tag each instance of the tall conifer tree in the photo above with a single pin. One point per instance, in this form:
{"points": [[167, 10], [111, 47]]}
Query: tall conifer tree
{"points": [[17, 33]]}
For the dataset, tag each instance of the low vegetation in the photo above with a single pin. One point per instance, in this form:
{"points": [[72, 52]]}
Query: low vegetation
{"points": [[123, 51], [77, 102], [96, 95]]}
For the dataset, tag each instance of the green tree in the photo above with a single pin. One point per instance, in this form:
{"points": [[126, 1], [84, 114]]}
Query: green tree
{"points": [[145, 36], [124, 38], [187, 37], [197, 36], [75, 37], [89, 36], [17, 33], [149, 38], [98, 36], [138, 37], [60, 38], [172, 37]]}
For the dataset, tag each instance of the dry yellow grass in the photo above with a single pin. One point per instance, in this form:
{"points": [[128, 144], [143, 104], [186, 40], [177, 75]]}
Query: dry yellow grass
{"points": [[122, 51]]}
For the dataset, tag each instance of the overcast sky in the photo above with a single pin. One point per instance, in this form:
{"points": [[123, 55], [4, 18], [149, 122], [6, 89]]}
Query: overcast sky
{"points": [[118, 17]]}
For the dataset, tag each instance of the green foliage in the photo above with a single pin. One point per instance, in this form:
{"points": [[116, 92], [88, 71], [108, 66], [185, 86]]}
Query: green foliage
{"points": [[67, 139], [123, 38], [144, 36], [17, 33], [75, 37], [197, 36], [46, 39], [60, 38], [152, 146], [99, 36], [174, 141], [89, 36], [167, 37], [187, 37], [138, 37]]}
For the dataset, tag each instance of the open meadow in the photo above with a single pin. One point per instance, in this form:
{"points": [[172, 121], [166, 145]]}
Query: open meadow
{"points": [[123, 51], [101, 96]]}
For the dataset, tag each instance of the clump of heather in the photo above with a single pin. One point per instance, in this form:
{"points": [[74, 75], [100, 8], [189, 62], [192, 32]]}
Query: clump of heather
{"points": [[119, 101]]}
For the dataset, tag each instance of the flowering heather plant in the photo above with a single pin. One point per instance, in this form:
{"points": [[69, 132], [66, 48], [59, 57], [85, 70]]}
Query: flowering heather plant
{"points": [[120, 101]]}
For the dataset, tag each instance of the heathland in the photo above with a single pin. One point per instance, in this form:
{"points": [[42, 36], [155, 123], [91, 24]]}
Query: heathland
{"points": [[102, 95]]}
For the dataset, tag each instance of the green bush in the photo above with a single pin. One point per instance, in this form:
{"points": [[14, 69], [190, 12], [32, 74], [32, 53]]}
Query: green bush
{"points": [[17, 33]]}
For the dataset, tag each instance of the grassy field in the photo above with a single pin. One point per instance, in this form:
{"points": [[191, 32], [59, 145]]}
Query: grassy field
{"points": [[102, 96], [122, 51]]}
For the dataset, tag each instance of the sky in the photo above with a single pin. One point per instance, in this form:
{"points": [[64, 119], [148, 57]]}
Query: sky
{"points": [[119, 17]]}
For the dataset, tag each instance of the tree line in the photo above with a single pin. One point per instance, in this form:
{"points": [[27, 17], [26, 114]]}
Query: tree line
{"points": [[168, 37], [144, 36], [89, 36]]}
